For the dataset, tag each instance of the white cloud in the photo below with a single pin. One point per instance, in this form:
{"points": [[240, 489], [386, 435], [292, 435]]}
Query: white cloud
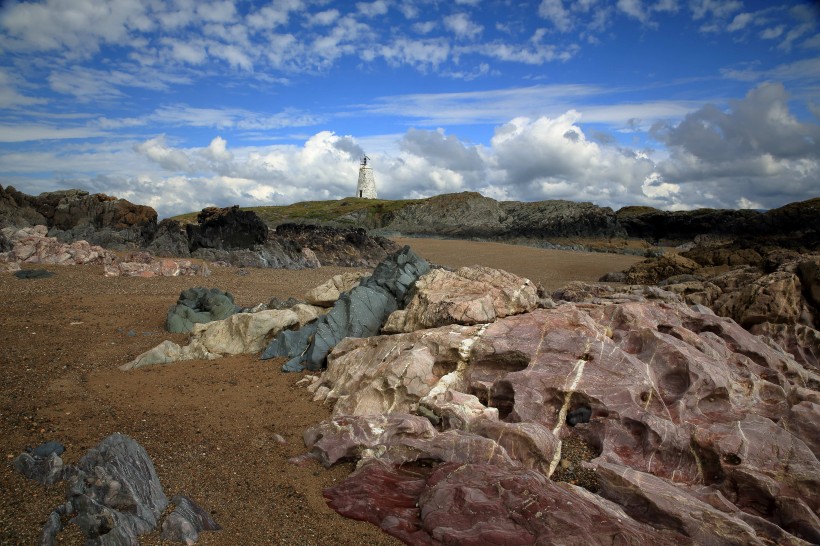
{"points": [[10, 97], [741, 151], [372, 9], [555, 12], [324, 18], [461, 25], [167, 157], [221, 11]]}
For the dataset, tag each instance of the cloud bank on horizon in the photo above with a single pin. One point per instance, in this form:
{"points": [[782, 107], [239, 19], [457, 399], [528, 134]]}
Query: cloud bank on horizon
{"points": [[183, 104]]}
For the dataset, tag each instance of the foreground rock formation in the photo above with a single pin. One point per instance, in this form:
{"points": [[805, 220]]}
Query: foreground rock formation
{"points": [[779, 297], [113, 495], [698, 432]]}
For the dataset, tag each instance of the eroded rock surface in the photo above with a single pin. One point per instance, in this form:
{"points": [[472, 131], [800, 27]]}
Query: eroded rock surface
{"points": [[470, 295], [701, 432]]}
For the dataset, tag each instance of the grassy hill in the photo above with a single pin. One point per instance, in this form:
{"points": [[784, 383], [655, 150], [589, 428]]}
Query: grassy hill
{"points": [[352, 211]]}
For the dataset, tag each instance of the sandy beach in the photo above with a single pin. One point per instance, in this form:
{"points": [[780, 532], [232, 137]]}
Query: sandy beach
{"points": [[209, 426]]}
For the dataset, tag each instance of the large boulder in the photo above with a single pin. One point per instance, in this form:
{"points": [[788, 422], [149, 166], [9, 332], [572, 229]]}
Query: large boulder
{"points": [[115, 493], [654, 270], [238, 334], [776, 298], [471, 295], [226, 229]]}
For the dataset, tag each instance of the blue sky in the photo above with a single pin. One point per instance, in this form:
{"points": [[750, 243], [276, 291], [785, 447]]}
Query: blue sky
{"points": [[181, 104]]}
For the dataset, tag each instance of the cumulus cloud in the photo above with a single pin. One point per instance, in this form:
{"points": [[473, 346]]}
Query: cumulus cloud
{"points": [[157, 150], [756, 149], [462, 26], [442, 150]]}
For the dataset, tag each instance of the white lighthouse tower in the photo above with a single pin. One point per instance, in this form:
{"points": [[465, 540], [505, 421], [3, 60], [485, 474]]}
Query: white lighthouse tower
{"points": [[366, 188]]}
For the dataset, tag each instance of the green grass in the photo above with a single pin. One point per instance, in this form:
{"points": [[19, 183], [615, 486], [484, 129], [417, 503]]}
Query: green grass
{"points": [[320, 211]]}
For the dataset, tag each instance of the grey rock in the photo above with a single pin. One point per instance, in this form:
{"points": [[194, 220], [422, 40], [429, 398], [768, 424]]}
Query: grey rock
{"points": [[46, 469], [186, 521], [116, 492], [47, 448], [33, 274], [198, 306], [358, 313]]}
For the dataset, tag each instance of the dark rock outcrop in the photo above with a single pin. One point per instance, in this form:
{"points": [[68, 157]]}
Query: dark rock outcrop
{"points": [[199, 306], [345, 247], [73, 215], [793, 226], [226, 229], [471, 215], [358, 313], [170, 239]]}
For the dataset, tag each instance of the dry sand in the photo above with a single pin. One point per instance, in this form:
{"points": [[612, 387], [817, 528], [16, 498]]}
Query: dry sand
{"points": [[208, 426]]}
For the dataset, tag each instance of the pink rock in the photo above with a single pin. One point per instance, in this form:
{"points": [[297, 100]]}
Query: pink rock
{"points": [[678, 398], [471, 295], [480, 504]]}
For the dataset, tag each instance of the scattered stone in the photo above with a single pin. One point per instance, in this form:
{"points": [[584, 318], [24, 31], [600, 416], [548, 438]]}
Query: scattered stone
{"points": [[33, 274], [163, 267], [47, 448], [186, 521]]}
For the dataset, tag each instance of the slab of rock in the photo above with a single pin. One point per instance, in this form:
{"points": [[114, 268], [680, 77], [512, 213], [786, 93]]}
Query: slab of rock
{"points": [[358, 313], [326, 294], [398, 438], [478, 504], [238, 334], [470, 295]]}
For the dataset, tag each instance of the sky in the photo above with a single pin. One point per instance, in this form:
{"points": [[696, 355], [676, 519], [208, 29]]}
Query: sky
{"points": [[182, 104]]}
